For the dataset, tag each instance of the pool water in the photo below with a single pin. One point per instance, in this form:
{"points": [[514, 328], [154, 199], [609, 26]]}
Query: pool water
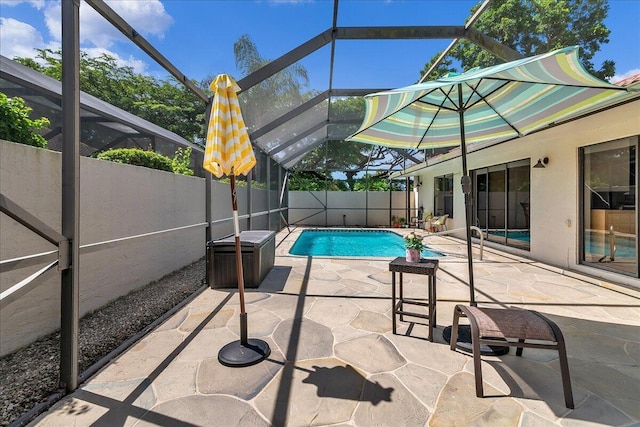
{"points": [[594, 243], [354, 243], [625, 247]]}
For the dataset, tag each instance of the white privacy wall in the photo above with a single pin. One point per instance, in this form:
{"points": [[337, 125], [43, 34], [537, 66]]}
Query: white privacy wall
{"points": [[350, 208], [116, 201]]}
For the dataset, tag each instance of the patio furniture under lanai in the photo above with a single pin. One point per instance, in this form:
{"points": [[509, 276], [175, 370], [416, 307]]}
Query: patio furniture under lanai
{"points": [[513, 327]]}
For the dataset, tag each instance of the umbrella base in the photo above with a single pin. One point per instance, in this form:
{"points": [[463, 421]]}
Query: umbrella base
{"points": [[464, 342], [237, 355]]}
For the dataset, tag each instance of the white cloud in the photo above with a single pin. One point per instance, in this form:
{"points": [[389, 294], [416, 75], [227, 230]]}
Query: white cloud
{"points": [[38, 4], [19, 39], [625, 75], [138, 66], [148, 17]]}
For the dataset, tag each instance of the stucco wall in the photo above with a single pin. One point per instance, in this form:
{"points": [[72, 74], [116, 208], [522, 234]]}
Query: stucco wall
{"points": [[353, 204], [554, 199], [115, 201]]}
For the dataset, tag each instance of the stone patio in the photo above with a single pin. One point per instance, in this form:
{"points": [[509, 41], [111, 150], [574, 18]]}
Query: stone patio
{"points": [[334, 360]]}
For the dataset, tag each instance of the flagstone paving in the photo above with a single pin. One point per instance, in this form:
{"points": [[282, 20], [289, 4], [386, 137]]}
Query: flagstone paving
{"points": [[334, 360]]}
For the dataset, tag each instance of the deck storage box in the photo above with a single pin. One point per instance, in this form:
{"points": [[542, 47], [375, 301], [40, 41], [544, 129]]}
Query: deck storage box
{"points": [[258, 248]]}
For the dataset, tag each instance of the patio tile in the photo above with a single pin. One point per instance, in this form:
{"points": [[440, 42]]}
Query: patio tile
{"points": [[206, 344], [618, 389], [459, 406], [178, 381], [333, 312], [287, 306], [424, 383], [372, 322], [387, 402], [196, 320], [203, 410], [432, 355], [347, 333], [335, 361], [312, 392], [142, 359], [245, 383], [260, 322], [372, 353], [598, 412], [302, 339]]}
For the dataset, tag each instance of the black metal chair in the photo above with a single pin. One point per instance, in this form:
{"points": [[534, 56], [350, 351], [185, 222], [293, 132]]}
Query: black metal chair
{"points": [[492, 326]]}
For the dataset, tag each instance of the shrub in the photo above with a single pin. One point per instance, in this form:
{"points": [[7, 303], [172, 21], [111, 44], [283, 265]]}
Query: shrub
{"points": [[138, 157], [181, 161], [15, 124]]}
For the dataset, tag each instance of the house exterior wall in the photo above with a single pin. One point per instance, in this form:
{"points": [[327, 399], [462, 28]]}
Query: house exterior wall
{"points": [[554, 198], [116, 201]]}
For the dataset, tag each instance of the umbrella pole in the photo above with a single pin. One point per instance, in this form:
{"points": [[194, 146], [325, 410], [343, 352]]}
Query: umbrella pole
{"points": [[239, 269], [245, 352], [466, 189], [464, 341]]}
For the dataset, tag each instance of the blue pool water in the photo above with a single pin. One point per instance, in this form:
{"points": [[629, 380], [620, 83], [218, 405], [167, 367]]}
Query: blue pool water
{"points": [[354, 243], [625, 247], [594, 243]]}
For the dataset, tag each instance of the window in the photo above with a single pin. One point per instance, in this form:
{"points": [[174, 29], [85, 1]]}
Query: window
{"points": [[443, 195], [609, 231]]}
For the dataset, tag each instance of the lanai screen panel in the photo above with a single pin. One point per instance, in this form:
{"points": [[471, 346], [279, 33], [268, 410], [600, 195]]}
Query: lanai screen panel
{"points": [[289, 133], [289, 88], [301, 147]]}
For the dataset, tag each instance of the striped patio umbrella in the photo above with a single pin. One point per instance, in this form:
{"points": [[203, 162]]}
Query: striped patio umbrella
{"points": [[229, 152], [483, 107]]}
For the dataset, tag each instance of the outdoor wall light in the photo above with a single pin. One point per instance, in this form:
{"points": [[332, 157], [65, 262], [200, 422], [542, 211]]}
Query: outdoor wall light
{"points": [[541, 163]]}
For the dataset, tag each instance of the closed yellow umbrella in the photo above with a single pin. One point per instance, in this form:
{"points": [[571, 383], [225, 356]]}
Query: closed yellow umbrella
{"points": [[229, 152]]}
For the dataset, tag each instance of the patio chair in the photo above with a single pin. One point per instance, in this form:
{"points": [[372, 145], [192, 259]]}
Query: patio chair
{"points": [[439, 223], [514, 327], [421, 222]]}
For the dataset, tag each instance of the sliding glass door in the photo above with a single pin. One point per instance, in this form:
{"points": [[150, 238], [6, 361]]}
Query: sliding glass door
{"points": [[609, 205], [502, 203]]}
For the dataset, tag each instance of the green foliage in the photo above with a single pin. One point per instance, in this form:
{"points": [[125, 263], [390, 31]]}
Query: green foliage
{"points": [[271, 97], [533, 27], [181, 161], [138, 157], [413, 241], [15, 124], [371, 183], [314, 181], [166, 103]]}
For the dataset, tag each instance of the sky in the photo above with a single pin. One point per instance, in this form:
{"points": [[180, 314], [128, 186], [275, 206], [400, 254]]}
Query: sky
{"points": [[197, 36]]}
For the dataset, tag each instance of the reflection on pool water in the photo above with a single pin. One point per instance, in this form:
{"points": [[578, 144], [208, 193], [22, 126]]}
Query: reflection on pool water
{"points": [[595, 243], [354, 243], [598, 243]]}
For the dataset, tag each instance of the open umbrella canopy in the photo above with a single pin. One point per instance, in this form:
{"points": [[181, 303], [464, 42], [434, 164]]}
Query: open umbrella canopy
{"points": [[228, 150], [499, 103]]}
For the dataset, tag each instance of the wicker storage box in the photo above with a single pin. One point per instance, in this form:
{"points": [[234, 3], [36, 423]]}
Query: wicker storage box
{"points": [[258, 249]]}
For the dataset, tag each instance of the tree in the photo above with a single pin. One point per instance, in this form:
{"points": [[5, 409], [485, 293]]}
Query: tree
{"points": [[271, 97], [532, 27], [166, 103], [15, 124]]}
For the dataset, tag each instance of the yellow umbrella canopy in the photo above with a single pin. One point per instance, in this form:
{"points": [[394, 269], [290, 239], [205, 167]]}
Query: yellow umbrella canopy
{"points": [[228, 150]]}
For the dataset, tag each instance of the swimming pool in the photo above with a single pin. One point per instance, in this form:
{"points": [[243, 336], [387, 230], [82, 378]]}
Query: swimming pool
{"points": [[354, 243]]}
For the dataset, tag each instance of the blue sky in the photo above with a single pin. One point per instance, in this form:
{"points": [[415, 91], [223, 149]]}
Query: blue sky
{"points": [[198, 35]]}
